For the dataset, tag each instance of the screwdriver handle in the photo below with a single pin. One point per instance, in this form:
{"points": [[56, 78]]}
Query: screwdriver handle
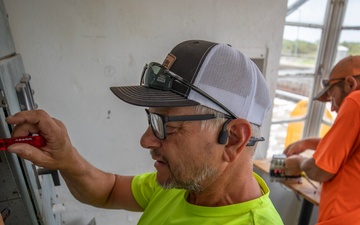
{"points": [[36, 141]]}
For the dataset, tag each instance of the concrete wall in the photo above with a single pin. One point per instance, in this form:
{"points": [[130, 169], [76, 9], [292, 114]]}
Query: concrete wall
{"points": [[75, 50]]}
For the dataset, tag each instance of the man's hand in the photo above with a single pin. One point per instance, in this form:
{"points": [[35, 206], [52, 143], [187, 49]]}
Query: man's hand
{"points": [[292, 165], [1, 220], [58, 151], [294, 149], [300, 146]]}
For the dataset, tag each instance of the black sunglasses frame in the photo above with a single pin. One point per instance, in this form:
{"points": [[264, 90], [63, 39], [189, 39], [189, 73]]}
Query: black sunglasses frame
{"points": [[327, 82], [252, 141], [166, 119]]}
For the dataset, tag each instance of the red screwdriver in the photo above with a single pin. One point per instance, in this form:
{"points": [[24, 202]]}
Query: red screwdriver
{"points": [[36, 141]]}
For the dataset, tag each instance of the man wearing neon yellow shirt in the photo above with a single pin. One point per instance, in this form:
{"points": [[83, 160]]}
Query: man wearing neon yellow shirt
{"points": [[205, 105]]}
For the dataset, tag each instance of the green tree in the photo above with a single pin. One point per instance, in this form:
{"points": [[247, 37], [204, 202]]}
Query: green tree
{"points": [[354, 47], [299, 47]]}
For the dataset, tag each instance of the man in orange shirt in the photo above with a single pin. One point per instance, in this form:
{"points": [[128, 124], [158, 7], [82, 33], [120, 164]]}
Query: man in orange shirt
{"points": [[336, 161]]}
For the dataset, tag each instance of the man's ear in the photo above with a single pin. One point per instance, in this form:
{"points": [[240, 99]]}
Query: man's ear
{"points": [[351, 84], [239, 131]]}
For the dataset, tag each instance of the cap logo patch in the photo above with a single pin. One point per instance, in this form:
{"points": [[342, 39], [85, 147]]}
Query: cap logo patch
{"points": [[169, 61]]}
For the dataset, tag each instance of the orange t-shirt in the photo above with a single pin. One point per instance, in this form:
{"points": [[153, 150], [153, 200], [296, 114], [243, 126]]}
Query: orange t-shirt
{"points": [[339, 153]]}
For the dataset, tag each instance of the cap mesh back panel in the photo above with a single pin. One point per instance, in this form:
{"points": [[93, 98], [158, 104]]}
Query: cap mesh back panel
{"points": [[235, 80]]}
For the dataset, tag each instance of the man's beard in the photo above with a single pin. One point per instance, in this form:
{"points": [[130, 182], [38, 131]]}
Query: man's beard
{"points": [[343, 95], [193, 185], [195, 177]]}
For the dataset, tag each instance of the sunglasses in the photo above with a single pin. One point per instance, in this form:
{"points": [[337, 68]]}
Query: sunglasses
{"points": [[157, 76], [158, 122], [327, 82]]}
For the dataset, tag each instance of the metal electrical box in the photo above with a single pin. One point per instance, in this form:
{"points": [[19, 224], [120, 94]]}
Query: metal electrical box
{"points": [[27, 190]]}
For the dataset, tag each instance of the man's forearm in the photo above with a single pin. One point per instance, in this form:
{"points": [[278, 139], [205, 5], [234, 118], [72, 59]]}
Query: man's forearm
{"points": [[87, 183], [309, 166]]}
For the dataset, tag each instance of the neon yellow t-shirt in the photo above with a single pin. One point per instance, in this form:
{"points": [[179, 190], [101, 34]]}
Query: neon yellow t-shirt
{"points": [[170, 206]]}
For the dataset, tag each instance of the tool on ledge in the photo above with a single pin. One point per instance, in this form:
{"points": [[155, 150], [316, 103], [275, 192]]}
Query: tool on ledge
{"points": [[307, 178], [36, 141]]}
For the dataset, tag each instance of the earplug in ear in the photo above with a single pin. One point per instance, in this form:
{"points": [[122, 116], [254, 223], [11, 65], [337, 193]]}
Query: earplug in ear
{"points": [[223, 135]]}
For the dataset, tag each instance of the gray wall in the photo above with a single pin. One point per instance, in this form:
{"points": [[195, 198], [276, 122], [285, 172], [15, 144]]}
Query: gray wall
{"points": [[75, 50]]}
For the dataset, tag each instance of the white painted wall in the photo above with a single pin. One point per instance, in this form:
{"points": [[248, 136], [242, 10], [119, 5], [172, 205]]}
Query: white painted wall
{"points": [[75, 50]]}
